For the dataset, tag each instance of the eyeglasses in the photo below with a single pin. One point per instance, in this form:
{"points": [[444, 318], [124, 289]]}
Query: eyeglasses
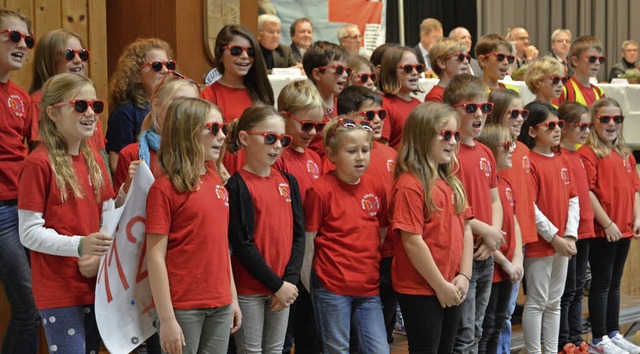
{"points": [[365, 77], [16, 36], [215, 128], [157, 65], [508, 145], [350, 124], [237, 50], [515, 113], [81, 106], [271, 138], [606, 119], [355, 36], [459, 56], [339, 69], [552, 125], [306, 125], [556, 79], [471, 108], [408, 68], [593, 58], [583, 126], [448, 134], [371, 114], [501, 57], [70, 54]]}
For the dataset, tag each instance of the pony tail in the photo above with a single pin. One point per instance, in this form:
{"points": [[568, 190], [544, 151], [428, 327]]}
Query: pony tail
{"points": [[232, 144]]}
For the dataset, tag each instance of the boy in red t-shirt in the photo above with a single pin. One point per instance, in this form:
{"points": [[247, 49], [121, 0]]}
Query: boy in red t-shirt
{"points": [[449, 58], [478, 173], [586, 58]]}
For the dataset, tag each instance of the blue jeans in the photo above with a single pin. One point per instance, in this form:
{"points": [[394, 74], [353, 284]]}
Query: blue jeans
{"points": [[71, 329], [15, 274], [473, 308], [335, 313], [504, 344]]}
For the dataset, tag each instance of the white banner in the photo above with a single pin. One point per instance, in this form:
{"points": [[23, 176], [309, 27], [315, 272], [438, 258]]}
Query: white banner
{"points": [[123, 304]]}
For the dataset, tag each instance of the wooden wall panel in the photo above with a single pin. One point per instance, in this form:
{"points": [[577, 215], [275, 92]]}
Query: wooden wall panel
{"points": [[97, 41]]}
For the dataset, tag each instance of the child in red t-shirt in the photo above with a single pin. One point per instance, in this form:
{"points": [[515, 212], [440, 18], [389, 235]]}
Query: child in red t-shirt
{"points": [[434, 248], [399, 77], [578, 124], [244, 79], [613, 183], [478, 173], [64, 177], [189, 264], [266, 230], [448, 58], [508, 270], [557, 218], [345, 216]]}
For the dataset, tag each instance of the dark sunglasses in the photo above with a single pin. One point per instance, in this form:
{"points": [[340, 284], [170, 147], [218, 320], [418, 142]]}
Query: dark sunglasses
{"points": [[271, 138], [157, 65], [237, 50], [16, 36], [459, 56], [471, 108], [556, 79], [339, 69], [371, 114], [70, 54], [552, 125], [365, 77], [583, 126], [515, 113], [81, 106], [351, 124], [606, 119], [501, 57], [306, 125], [408, 68], [593, 58], [215, 128], [508, 145], [448, 134]]}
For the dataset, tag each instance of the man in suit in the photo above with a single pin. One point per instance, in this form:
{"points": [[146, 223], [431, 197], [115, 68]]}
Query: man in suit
{"points": [[629, 51], [463, 35], [301, 37], [560, 45], [524, 52], [276, 55], [430, 33]]}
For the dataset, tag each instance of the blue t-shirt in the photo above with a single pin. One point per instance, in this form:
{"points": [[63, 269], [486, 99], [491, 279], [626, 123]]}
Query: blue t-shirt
{"points": [[124, 125]]}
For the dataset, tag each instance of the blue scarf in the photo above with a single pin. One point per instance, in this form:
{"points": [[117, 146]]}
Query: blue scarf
{"points": [[148, 139]]}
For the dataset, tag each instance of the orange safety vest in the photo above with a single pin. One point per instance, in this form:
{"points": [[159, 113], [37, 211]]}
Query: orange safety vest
{"points": [[572, 93]]}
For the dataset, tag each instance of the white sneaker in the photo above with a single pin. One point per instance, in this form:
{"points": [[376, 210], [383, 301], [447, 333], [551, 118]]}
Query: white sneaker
{"points": [[606, 346], [621, 342]]}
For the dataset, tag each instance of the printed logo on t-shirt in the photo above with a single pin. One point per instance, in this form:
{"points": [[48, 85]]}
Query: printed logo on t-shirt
{"points": [[564, 174], [485, 166], [16, 105], [313, 169], [627, 164], [526, 165], [285, 191], [371, 204], [222, 194], [509, 193], [390, 165]]}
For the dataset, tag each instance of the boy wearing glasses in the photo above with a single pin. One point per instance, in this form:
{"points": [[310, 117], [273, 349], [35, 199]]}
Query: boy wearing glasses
{"points": [[478, 173], [586, 58], [494, 56]]}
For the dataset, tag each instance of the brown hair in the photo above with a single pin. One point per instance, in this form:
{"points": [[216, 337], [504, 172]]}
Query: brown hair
{"points": [[489, 43], [47, 55], [493, 136], [501, 99], [464, 88], [251, 117], [389, 80], [582, 44]]}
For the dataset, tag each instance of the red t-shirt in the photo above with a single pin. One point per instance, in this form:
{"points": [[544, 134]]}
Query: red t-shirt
{"points": [[553, 186], [197, 247], [614, 181], [508, 249], [443, 232], [587, 92], [317, 143], [304, 166], [16, 124], [585, 228], [232, 102], [519, 176], [435, 95], [57, 282], [127, 155], [478, 175], [347, 219], [273, 228], [397, 112]]}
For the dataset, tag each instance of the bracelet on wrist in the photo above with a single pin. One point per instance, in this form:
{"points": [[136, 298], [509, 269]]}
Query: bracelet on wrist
{"points": [[80, 247], [608, 226], [464, 275]]}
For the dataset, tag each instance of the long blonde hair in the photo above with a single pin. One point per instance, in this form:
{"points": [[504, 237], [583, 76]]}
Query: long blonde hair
{"points": [[162, 94], [593, 140], [48, 53], [422, 126], [61, 88], [181, 156]]}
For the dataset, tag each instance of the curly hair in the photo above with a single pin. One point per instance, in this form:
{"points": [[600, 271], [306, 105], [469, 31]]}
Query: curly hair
{"points": [[125, 82]]}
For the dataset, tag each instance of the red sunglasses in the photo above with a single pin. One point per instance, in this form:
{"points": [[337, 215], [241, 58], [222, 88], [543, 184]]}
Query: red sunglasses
{"points": [[307, 125], [459, 56], [16, 36], [408, 68], [271, 138], [339, 69], [158, 65], [215, 128], [81, 106], [448, 134], [70, 54]]}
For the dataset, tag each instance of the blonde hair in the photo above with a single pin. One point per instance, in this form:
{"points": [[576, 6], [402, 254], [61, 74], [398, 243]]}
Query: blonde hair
{"points": [[181, 156], [429, 24], [49, 51], [501, 99], [540, 69], [125, 82], [10, 13], [62, 88], [299, 96], [593, 140], [422, 126], [440, 50], [163, 93], [493, 136], [333, 131]]}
